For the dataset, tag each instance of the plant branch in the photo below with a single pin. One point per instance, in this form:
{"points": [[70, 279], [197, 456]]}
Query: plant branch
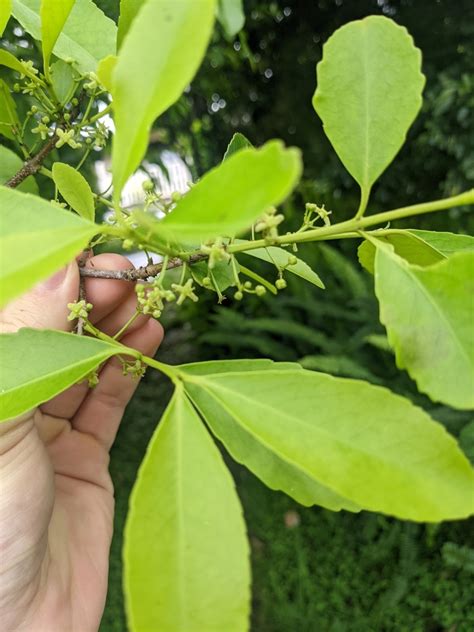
{"points": [[343, 230], [33, 165], [142, 273]]}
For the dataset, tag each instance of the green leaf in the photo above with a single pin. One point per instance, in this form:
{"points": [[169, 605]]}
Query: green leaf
{"points": [[62, 78], [446, 243], [128, 12], [341, 365], [186, 552], [10, 164], [88, 35], [105, 71], [10, 61], [8, 113], [221, 274], [234, 195], [368, 94], [230, 14], [5, 11], [280, 258], [36, 239], [212, 367], [411, 247], [75, 190], [53, 16], [428, 314], [39, 364], [237, 142], [168, 39], [353, 439]]}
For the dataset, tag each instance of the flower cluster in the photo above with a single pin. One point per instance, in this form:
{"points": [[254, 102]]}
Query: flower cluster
{"points": [[79, 309]]}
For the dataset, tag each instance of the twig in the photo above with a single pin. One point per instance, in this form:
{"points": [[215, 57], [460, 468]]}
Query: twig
{"points": [[81, 262], [142, 273], [33, 165]]}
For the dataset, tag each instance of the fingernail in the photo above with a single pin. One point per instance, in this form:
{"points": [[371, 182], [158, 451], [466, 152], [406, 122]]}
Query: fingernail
{"points": [[56, 280]]}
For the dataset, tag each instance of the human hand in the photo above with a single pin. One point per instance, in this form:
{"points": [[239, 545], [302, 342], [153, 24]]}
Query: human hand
{"points": [[56, 503]]}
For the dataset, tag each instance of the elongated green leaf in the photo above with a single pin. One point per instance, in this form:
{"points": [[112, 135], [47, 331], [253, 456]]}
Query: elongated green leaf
{"points": [[231, 15], [105, 71], [10, 164], [62, 78], [341, 365], [356, 440], [212, 367], [429, 316], [234, 195], [36, 239], [5, 11], [10, 61], [53, 16], [185, 553], [280, 259], [411, 247], [368, 94], [237, 142], [128, 12], [88, 35], [168, 39], [8, 113], [75, 190], [221, 275], [39, 364], [446, 243]]}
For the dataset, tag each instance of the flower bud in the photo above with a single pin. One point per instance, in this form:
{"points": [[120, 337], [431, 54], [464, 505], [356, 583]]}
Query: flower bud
{"points": [[280, 284], [260, 290]]}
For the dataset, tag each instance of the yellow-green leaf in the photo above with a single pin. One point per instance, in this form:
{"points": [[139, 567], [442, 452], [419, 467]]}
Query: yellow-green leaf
{"points": [[39, 364], [10, 164], [159, 57], [356, 440], [185, 552], [88, 35], [368, 94], [36, 239], [429, 315], [53, 18], [75, 190], [231, 197], [5, 11], [128, 12], [8, 113]]}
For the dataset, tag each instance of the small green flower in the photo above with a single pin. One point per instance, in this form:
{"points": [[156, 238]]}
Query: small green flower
{"points": [[79, 309], [185, 291], [42, 130], [66, 138]]}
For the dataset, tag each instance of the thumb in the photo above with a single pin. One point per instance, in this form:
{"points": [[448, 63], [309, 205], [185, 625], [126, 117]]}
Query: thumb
{"points": [[44, 306]]}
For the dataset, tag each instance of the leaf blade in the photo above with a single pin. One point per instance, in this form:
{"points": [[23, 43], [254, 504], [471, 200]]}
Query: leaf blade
{"points": [[436, 347], [360, 441], [185, 528], [39, 364], [369, 87], [27, 221], [229, 198], [140, 99], [53, 18], [88, 36], [75, 190]]}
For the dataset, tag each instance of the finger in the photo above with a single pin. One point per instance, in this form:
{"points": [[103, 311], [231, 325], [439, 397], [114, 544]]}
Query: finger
{"points": [[45, 305], [107, 294], [102, 410], [112, 323]]}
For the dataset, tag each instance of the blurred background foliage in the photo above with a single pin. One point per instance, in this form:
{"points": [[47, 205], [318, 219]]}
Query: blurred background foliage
{"points": [[315, 570]]}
